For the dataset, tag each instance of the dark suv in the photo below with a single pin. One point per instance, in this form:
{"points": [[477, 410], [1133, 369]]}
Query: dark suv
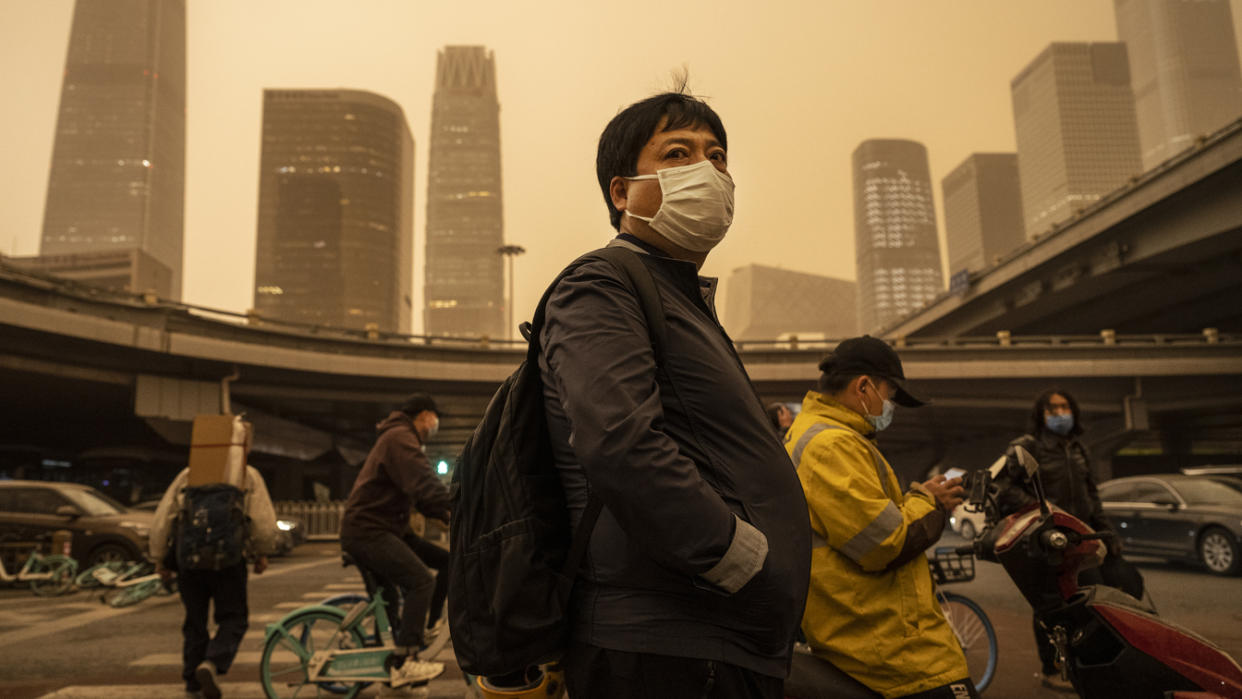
{"points": [[102, 528]]}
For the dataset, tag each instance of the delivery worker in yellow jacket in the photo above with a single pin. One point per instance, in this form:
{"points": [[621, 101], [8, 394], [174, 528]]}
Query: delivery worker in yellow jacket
{"points": [[871, 610]]}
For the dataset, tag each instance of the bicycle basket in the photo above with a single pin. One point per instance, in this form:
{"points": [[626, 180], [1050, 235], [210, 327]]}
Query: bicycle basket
{"points": [[951, 566]]}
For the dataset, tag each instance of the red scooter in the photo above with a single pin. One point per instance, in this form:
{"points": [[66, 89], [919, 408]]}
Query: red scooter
{"points": [[1108, 643]]}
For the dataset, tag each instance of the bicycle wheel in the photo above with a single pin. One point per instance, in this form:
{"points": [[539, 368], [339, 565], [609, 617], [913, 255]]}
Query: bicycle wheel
{"points": [[63, 569], [131, 594], [976, 635], [282, 667]]}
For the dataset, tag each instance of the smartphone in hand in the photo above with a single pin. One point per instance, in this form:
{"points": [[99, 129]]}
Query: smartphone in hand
{"points": [[954, 473]]}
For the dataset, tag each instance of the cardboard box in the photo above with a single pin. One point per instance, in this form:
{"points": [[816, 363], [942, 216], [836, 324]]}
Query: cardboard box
{"points": [[219, 446]]}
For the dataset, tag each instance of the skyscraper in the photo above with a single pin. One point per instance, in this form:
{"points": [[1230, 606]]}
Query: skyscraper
{"points": [[896, 250], [982, 210], [465, 225], [118, 162], [336, 210], [1073, 113], [765, 303], [1183, 68]]}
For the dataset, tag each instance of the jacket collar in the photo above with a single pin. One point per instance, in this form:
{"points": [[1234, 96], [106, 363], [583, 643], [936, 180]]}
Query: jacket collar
{"points": [[821, 405]]}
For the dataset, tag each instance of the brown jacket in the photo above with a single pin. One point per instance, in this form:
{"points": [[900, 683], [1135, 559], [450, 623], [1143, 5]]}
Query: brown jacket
{"points": [[395, 477]]}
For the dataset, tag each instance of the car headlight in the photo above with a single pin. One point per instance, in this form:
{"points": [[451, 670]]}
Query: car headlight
{"points": [[284, 525], [139, 528]]}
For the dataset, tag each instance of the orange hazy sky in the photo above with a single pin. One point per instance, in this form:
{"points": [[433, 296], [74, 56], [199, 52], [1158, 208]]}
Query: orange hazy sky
{"points": [[798, 83]]}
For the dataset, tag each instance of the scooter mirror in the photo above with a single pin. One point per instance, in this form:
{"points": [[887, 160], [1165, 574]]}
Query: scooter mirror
{"points": [[1028, 462]]}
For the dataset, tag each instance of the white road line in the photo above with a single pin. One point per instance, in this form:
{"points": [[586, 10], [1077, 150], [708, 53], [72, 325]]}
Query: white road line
{"points": [[74, 621], [347, 587]]}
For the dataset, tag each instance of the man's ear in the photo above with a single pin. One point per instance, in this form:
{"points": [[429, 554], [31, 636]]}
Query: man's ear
{"points": [[618, 191]]}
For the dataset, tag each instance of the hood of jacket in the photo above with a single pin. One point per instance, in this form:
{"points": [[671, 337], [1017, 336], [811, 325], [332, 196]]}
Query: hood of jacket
{"points": [[816, 403], [397, 419]]}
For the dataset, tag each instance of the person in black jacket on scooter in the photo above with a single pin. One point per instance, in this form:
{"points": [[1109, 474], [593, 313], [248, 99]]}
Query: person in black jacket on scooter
{"points": [[1065, 470]]}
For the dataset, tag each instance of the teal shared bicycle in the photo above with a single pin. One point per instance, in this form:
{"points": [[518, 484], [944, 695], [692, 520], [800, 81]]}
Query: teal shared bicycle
{"points": [[324, 650]]}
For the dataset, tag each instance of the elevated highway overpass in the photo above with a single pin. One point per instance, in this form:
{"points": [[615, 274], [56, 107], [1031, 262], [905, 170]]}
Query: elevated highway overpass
{"points": [[86, 369], [1162, 254]]}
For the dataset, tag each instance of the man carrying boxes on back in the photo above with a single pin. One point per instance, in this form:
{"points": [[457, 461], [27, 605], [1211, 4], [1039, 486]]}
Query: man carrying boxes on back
{"points": [[214, 516]]}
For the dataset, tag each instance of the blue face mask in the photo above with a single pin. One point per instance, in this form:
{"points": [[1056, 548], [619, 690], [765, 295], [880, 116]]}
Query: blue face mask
{"points": [[885, 418], [1060, 424]]}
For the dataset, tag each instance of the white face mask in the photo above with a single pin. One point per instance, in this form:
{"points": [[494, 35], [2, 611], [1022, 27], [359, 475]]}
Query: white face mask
{"points": [[434, 428], [697, 208]]}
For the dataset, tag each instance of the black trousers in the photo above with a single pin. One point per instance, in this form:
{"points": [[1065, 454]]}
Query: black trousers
{"points": [[600, 673], [392, 559], [199, 589], [437, 558]]}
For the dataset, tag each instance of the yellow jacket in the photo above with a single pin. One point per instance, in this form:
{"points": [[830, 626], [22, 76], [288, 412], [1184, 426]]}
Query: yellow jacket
{"points": [[880, 624]]}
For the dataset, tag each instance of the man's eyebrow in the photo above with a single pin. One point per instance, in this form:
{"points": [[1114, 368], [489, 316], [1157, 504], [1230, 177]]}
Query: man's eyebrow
{"points": [[682, 140]]}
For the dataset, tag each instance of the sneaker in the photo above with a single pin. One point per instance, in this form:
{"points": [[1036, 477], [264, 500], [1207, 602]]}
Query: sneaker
{"points": [[415, 670], [388, 692], [206, 676], [1057, 683]]}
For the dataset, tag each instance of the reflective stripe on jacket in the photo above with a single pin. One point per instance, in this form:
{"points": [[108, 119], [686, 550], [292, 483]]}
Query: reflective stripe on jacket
{"points": [[877, 621]]}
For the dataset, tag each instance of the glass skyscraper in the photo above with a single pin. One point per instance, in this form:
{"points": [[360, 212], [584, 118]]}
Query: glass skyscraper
{"points": [[1077, 137], [982, 211], [336, 210], [118, 161], [464, 288], [897, 253], [1183, 68]]}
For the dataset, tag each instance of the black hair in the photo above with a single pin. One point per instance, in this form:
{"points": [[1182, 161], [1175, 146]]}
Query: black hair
{"points": [[774, 414], [417, 403], [1041, 404], [623, 139], [833, 382]]}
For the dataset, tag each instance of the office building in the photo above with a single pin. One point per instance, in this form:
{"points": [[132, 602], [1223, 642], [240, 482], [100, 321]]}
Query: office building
{"points": [[982, 211], [117, 178], [897, 253], [1077, 137], [336, 210], [769, 303], [464, 279], [131, 271], [1183, 69]]}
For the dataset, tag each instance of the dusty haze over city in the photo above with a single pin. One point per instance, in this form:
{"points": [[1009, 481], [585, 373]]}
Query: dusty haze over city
{"points": [[798, 84]]}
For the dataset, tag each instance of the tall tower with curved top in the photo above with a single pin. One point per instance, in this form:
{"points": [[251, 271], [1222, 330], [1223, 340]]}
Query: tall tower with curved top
{"points": [[897, 253], [464, 282]]}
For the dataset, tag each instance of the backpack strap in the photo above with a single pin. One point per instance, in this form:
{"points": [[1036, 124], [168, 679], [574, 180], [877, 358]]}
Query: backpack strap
{"points": [[633, 268]]}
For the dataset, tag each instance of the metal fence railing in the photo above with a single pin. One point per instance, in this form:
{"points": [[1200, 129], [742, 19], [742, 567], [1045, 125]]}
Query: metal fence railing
{"points": [[321, 519]]}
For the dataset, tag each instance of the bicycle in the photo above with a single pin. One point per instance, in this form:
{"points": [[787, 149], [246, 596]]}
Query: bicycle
{"points": [[133, 585], [48, 575], [967, 619], [104, 574], [329, 650]]}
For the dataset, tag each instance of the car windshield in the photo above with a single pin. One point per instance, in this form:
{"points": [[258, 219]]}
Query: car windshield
{"points": [[93, 502], [1206, 491]]}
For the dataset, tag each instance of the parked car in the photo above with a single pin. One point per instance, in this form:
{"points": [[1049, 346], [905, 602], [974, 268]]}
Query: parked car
{"points": [[1176, 516], [102, 529], [292, 533], [966, 524]]}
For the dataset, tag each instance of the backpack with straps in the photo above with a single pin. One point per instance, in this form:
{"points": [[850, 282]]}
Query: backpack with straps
{"points": [[211, 527], [512, 558]]}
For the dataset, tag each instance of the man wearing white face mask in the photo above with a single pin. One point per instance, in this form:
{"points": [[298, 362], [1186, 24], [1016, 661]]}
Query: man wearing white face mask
{"points": [[696, 571], [374, 529], [871, 610]]}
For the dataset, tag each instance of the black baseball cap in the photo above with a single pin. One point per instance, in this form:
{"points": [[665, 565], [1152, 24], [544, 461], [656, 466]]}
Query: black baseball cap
{"points": [[871, 356], [417, 403]]}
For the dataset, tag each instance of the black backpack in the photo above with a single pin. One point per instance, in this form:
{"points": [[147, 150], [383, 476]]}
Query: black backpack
{"points": [[512, 558], [211, 528]]}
